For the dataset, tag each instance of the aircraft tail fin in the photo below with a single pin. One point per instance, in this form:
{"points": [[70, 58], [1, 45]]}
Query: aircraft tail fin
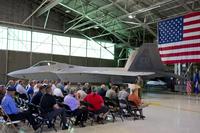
{"points": [[147, 58]]}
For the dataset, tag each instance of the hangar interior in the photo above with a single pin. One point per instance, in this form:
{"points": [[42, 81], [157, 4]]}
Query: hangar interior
{"points": [[108, 29], [96, 33]]}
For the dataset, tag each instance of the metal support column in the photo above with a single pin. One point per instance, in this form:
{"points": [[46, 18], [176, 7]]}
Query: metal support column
{"points": [[31, 53], [70, 45], [6, 77]]}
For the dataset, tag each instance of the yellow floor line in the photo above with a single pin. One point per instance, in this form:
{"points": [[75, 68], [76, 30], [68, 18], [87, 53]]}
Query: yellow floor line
{"points": [[171, 107]]}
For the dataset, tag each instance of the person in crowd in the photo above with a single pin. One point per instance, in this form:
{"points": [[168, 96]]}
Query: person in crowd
{"points": [[21, 90], [111, 94], [60, 85], [189, 87], [30, 90], [133, 97], [57, 92], [28, 85], [74, 105], [2, 92], [78, 87], [36, 86], [51, 109], [87, 88], [37, 97], [98, 105], [45, 81], [67, 86], [123, 94], [80, 94], [140, 82], [53, 85], [9, 107], [102, 91], [10, 83]]}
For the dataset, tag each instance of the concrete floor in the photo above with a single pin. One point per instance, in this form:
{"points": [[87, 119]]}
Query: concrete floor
{"points": [[166, 114]]}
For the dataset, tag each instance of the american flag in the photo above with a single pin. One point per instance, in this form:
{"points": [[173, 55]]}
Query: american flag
{"points": [[179, 39]]}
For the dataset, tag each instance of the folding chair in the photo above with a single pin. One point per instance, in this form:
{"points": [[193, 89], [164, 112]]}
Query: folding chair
{"points": [[125, 109], [43, 120], [92, 116], [7, 121], [133, 106], [114, 108]]}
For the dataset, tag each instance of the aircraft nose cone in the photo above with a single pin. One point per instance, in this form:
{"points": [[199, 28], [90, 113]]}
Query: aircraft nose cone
{"points": [[15, 74]]}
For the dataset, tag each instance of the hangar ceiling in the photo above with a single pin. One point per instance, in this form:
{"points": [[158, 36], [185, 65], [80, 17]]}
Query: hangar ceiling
{"points": [[125, 22]]}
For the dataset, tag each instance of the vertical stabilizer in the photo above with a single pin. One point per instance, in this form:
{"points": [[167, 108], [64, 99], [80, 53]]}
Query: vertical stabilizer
{"points": [[147, 58]]}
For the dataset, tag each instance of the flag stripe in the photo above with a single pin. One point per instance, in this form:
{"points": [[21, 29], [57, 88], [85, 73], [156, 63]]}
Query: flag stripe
{"points": [[181, 53], [191, 34], [179, 43], [191, 30], [191, 19], [181, 61], [192, 22], [179, 47], [192, 14], [191, 38], [179, 50], [191, 26], [181, 57]]}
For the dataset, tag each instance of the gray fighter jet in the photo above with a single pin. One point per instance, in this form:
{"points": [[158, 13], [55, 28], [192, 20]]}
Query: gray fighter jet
{"points": [[144, 62]]}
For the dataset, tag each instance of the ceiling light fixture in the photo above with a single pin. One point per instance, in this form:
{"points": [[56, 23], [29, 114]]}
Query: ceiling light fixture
{"points": [[131, 16], [67, 11]]}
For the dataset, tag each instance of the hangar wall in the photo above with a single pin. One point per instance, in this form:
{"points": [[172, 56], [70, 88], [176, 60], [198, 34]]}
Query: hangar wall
{"points": [[14, 60], [16, 11]]}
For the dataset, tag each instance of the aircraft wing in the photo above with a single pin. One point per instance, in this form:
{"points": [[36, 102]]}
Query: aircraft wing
{"points": [[107, 72]]}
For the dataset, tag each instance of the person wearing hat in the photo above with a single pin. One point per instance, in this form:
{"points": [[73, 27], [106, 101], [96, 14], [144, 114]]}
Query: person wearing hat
{"points": [[77, 110], [9, 107], [98, 104], [2, 92], [51, 109]]}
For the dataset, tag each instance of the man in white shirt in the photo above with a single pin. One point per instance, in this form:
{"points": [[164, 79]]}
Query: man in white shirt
{"points": [[19, 87], [57, 92]]}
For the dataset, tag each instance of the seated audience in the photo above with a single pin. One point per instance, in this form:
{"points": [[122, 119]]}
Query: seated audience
{"points": [[67, 86], [87, 88], [53, 85], [80, 94], [102, 91], [10, 83], [57, 92], [37, 97], [60, 85], [2, 92], [98, 105], [111, 94], [137, 101], [74, 105], [30, 90], [21, 90], [9, 107], [37, 86], [78, 87], [51, 109], [123, 94]]}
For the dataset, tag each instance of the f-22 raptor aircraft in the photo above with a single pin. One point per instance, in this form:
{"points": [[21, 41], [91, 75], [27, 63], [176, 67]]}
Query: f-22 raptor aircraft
{"points": [[144, 62]]}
